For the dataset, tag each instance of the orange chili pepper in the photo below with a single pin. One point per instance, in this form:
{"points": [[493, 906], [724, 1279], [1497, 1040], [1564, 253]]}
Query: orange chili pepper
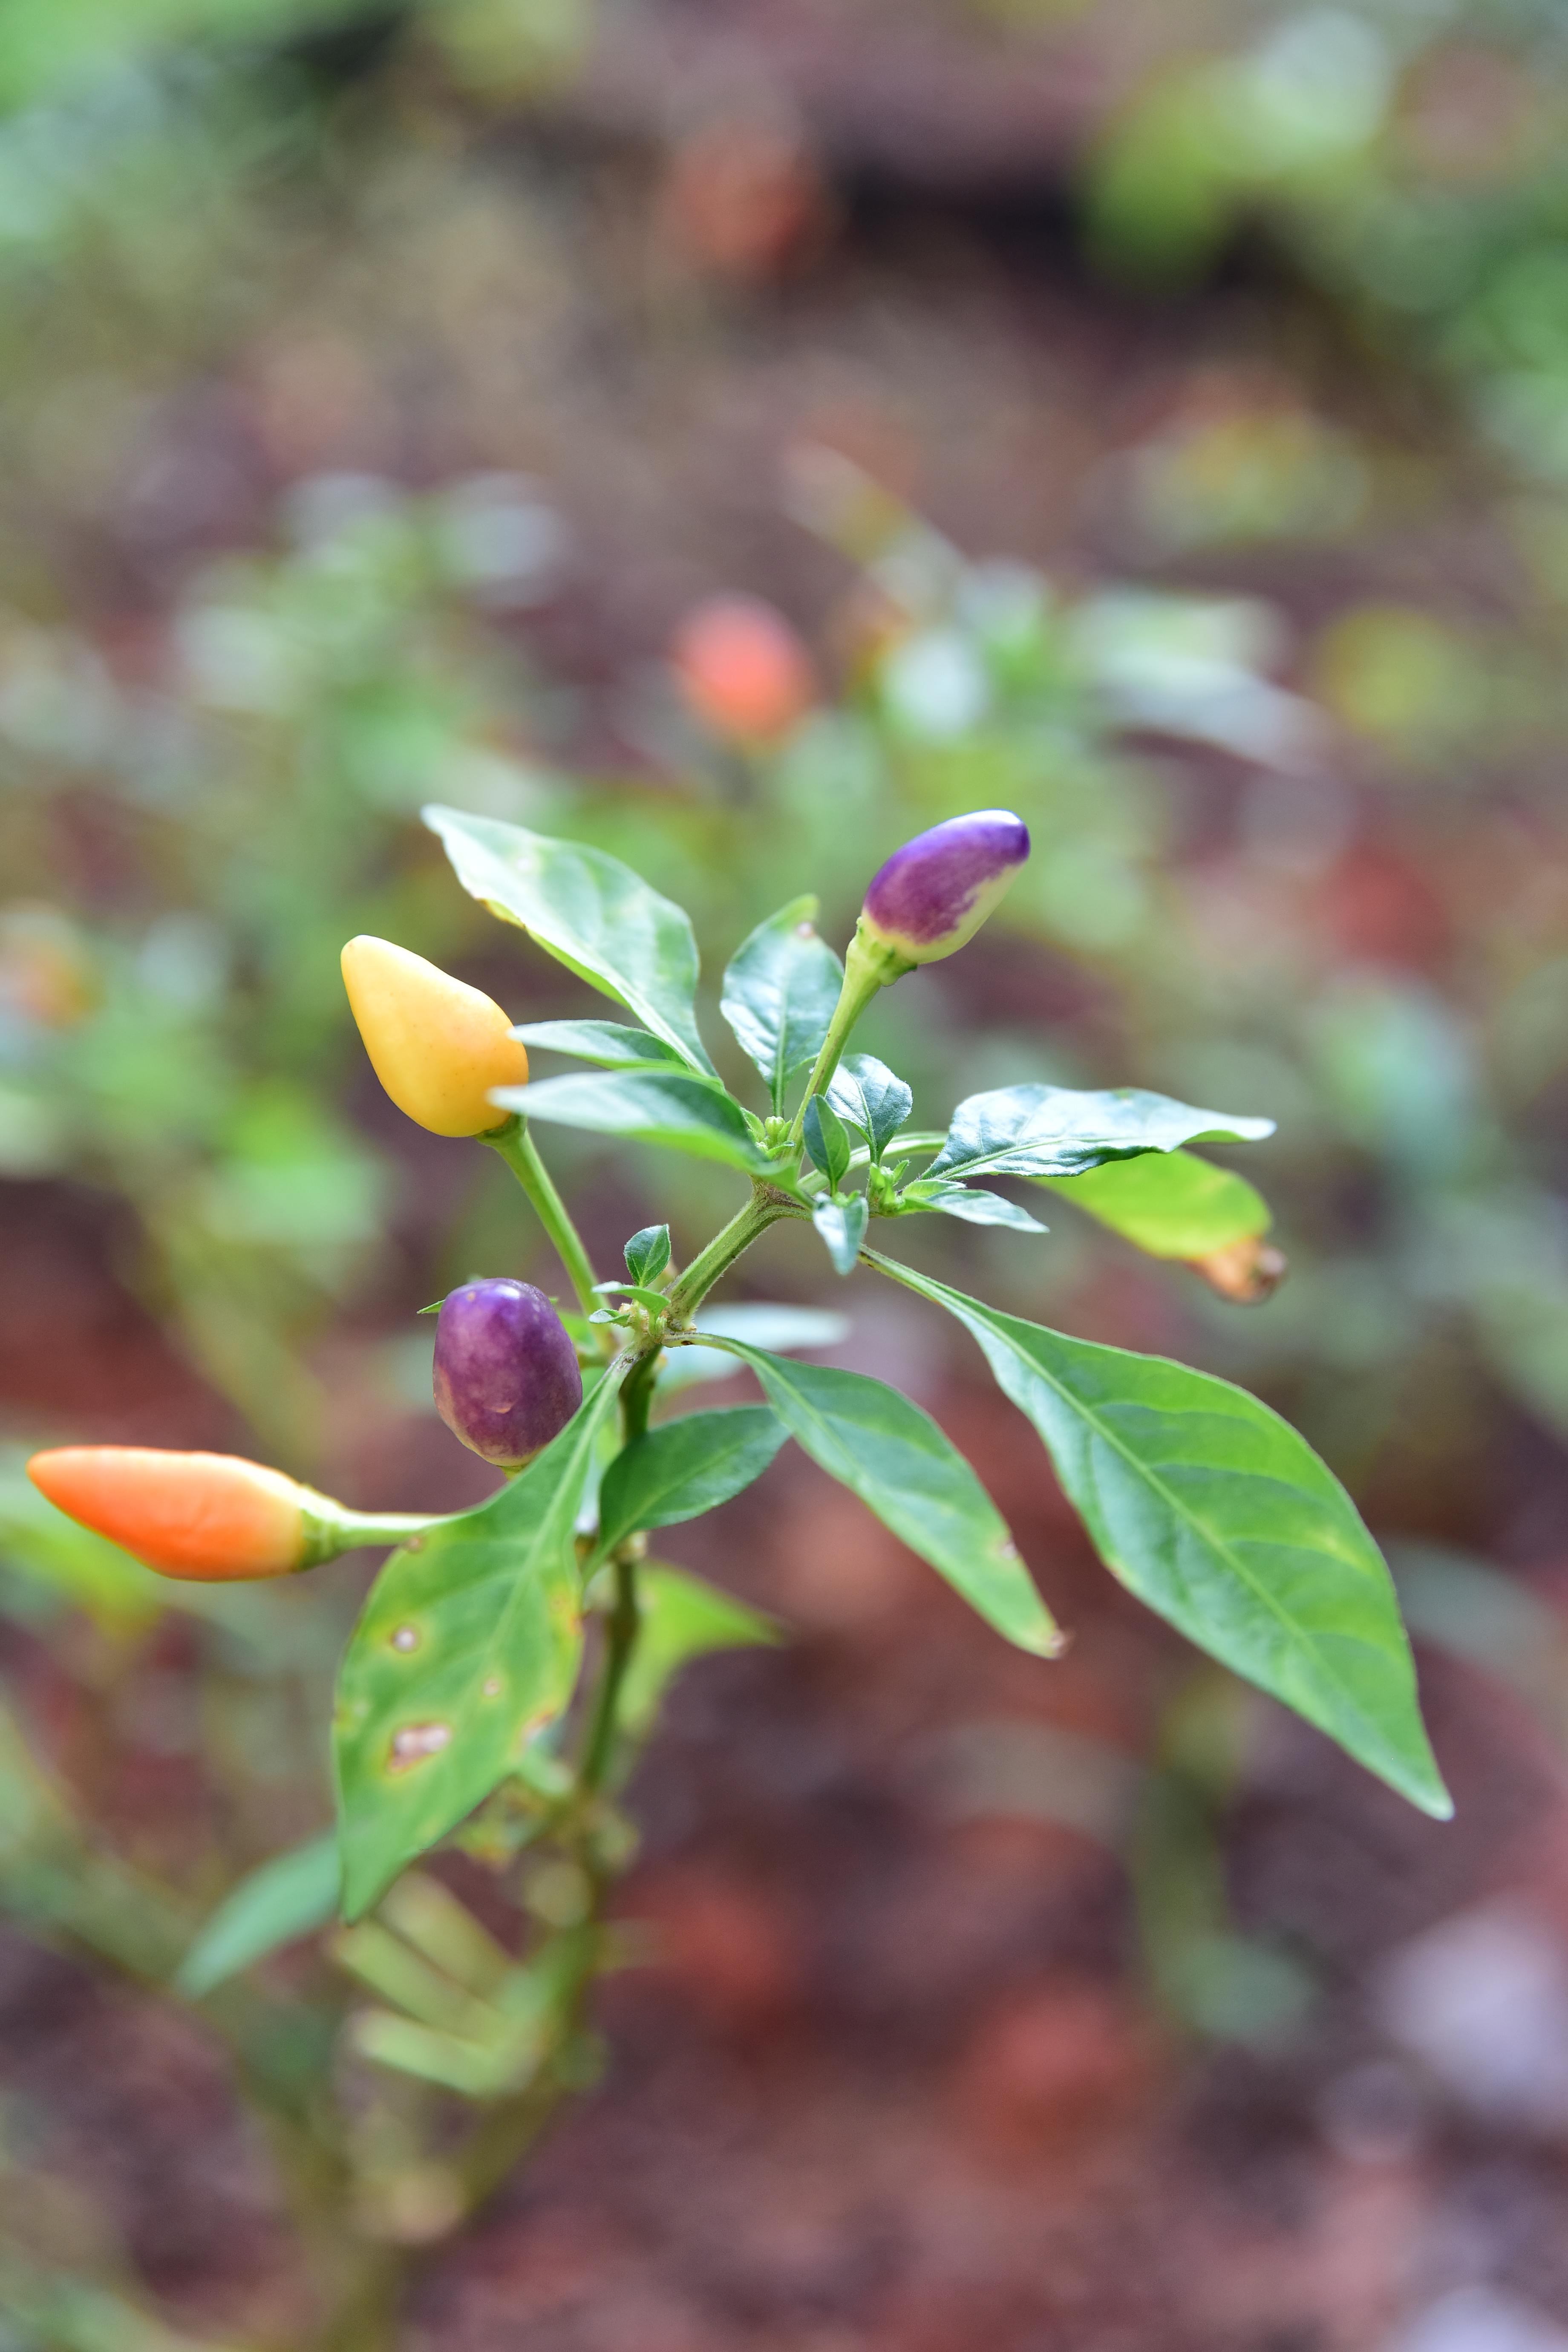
{"points": [[208, 1518]]}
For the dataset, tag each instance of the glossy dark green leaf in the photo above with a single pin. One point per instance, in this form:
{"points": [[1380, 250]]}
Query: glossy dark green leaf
{"points": [[865, 1092], [828, 1147], [682, 1619], [467, 1648], [288, 1896], [1040, 1131], [591, 912], [648, 1253], [1168, 1203], [780, 992], [684, 1468], [972, 1202], [685, 1113], [604, 1042], [1220, 1517], [842, 1224], [886, 1450]]}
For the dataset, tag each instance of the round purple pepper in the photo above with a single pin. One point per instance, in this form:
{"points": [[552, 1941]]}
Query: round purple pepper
{"points": [[933, 894], [506, 1374]]}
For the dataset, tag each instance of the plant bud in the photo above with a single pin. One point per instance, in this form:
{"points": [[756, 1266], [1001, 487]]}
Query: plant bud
{"points": [[506, 1373], [206, 1517], [436, 1045], [933, 894], [742, 669]]}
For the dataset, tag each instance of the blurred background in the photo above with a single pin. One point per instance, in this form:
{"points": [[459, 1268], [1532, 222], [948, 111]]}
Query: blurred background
{"points": [[739, 436]]}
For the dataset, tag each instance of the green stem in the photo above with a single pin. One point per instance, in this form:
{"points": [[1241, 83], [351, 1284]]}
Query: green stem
{"points": [[765, 1207], [621, 1630], [868, 966], [517, 1148]]}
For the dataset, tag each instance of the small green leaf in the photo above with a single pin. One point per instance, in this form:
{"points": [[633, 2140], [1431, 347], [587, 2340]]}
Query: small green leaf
{"points": [[1039, 1130], [682, 1619], [656, 1300], [973, 1203], [866, 1092], [1220, 1517], [648, 1253], [842, 1224], [590, 912], [685, 1113], [605, 1041], [288, 1896], [780, 994], [467, 1648], [684, 1468], [1169, 1203], [886, 1450], [825, 1141]]}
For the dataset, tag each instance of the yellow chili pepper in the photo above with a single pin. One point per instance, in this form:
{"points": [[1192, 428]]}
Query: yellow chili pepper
{"points": [[436, 1045]]}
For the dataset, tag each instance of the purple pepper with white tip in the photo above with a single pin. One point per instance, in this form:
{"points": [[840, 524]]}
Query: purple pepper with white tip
{"points": [[505, 1376], [933, 894]]}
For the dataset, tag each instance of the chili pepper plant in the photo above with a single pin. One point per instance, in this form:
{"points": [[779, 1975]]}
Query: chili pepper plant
{"points": [[510, 1659]]}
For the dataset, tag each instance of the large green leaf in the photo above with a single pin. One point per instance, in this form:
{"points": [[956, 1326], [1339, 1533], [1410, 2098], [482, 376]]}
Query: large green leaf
{"points": [[467, 1646], [684, 1468], [590, 911], [886, 1450], [1040, 1131], [1169, 1203], [780, 992], [764, 1324], [1219, 1515], [973, 1205], [682, 1617], [687, 1114], [604, 1042], [871, 1098], [286, 1897]]}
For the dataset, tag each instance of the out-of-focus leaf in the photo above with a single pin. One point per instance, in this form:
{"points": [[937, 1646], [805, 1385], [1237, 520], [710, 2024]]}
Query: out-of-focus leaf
{"points": [[682, 1619], [842, 1224], [867, 1093], [284, 1899], [684, 1113], [584, 907], [1221, 1517], [468, 1647], [605, 1041], [685, 1468], [1040, 1131], [780, 992], [1169, 1203], [886, 1450], [781, 1328], [972, 1202]]}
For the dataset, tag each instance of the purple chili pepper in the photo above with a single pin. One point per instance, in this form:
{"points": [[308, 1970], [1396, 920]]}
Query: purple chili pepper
{"points": [[933, 894], [506, 1373]]}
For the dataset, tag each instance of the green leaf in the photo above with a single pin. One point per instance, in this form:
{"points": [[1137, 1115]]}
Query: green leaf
{"points": [[825, 1141], [764, 1325], [1039, 1130], [684, 1468], [1169, 1203], [288, 1896], [780, 994], [842, 1224], [682, 1619], [600, 1041], [866, 1092], [973, 1203], [648, 1253], [893, 1456], [467, 1646], [685, 1113], [590, 912], [1220, 1517]]}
